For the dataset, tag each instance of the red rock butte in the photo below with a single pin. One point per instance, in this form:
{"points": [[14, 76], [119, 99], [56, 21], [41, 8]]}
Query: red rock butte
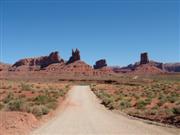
{"points": [[54, 63]]}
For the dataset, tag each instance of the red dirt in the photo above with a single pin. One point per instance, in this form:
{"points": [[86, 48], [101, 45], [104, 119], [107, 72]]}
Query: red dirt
{"points": [[16, 123], [154, 102]]}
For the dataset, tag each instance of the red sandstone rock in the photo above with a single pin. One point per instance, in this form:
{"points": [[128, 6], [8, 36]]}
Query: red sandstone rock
{"points": [[144, 58], [100, 64], [147, 69], [75, 56], [43, 61]]}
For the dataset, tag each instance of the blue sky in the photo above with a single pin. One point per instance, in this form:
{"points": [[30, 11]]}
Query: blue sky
{"points": [[117, 30]]}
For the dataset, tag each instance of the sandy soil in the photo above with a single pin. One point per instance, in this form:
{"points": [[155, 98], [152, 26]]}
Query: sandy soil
{"points": [[16, 123], [84, 115]]}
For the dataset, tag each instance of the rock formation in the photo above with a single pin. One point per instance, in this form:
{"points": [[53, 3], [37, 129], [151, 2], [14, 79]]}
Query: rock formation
{"points": [[147, 69], [42, 62], [100, 64], [172, 67], [117, 69], [144, 58], [75, 56]]}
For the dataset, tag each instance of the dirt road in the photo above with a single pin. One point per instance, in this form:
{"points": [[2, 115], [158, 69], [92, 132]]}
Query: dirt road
{"points": [[84, 115]]}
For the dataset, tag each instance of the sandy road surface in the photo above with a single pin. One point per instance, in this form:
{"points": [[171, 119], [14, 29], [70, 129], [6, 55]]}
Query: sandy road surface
{"points": [[83, 115]]}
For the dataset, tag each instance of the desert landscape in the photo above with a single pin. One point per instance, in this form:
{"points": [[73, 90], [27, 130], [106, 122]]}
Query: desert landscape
{"points": [[89, 67], [36, 90]]}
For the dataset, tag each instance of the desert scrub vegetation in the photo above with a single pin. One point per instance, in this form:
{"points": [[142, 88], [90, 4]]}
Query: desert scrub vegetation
{"points": [[26, 86], [36, 98], [156, 100], [39, 110], [107, 99]]}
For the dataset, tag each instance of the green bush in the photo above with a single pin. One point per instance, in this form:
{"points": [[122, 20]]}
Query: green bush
{"points": [[153, 112], [25, 86], [52, 105], [108, 102], [15, 105], [176, 110], [39, 110], [43, 99], [8, 98], [162, 100], [141, 104], [125, 104], [62, 92], [173, 97]]}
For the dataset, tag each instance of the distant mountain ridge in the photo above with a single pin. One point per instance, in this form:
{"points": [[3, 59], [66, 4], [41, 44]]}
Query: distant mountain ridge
{"points": [[168, 67], [54, 63]]}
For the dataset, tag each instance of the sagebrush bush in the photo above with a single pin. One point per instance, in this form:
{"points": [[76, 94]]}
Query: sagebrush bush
{"points": [[141, 104], [25, 86], [8, 98], [125, 104], [176, 110], [15, 105], [52, 105], [39, 110], [173, 97], [43, 99]]}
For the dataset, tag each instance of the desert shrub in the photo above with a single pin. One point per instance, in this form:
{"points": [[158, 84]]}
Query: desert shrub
{"points": [[153, 112], [39, 110], [8, 98], [25, 86], [136, 96], [55, 94], [15, 105], [62, 92], [67, 87], [156, 107], [173, 97], [176, 110], [58, 93], [107, 99], [148, 100], [141, 104], [38, 87], [150, 94], [162, 100], [43, 99], [101, 94], [122, 95], [178, 102], [108, 102], [125, 104], [52, 105], [111, 105], [51, 88]]}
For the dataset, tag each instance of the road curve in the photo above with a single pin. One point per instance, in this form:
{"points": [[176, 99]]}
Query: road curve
{"points": [[84, 115]]}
